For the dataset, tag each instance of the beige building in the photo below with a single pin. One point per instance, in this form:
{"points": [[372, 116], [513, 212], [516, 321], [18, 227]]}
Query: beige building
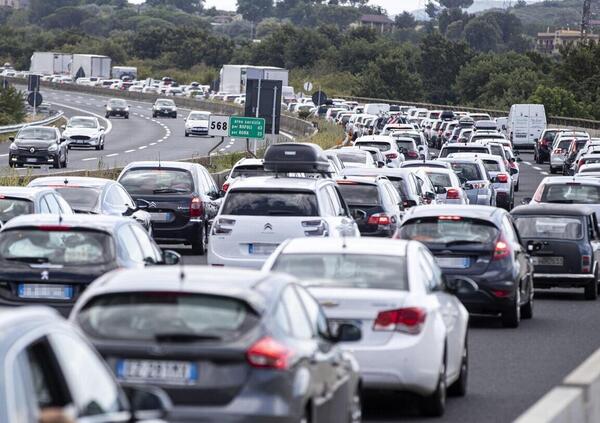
{"points": [[551, 42]]}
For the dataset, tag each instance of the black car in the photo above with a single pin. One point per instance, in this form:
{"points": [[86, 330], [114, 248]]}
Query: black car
{"points": [[38, 146], [117, 107], [226, 345], [51, 259], [375, 204], [164, 107], [95, 196], [19, 201], [564, 244], [543, 146], [182, 198], [479, 248]]}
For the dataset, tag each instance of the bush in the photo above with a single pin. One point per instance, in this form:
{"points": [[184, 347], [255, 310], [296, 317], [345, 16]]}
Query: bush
{"points": [[12, 109]]}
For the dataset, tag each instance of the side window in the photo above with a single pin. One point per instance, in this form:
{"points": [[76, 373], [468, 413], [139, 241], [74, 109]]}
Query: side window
{"points": [[210, 182], [95, 391], [52, 204], [386, 198], [338, 209], [316, 317], [129, 243], [64, 206], [427, 272], [325, 202], [149, 249], [124, 196], [301, 327], [282, 319], [509, 231], [114, 200], [44, 208]]}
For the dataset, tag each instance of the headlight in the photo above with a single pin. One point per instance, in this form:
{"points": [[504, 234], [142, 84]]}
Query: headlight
{"points": [[13, 146], [53, 147], [108, 108], [127, 108]]}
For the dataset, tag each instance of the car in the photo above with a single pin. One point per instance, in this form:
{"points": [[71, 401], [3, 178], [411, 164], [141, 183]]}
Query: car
{"points": [[558, 154], [197, 123], [568, 190], [577, 144], [592, 157], [19, 201], [374, 203], [51, 259], [447, 186], [414, 331], [564, 244], [420, 142], [84, 131], [386, 144], [480, 247], [164, 107], [354, 157], [116, 107], [448, 149], [587, 169], [96, 196], [424, 163], [407, 146], [513, 165], [218, 340], [55, 374], [543, 146], [38, 146], [474, 179], [181, 198]]}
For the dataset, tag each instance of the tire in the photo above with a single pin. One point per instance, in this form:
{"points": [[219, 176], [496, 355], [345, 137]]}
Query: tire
{"points": [[459, 388], [56, 164], [512, 317], [175, 116], [434, 405], [552, 170], [527, 309], [306, 416], [126, 116], [517, 187], [187, 135], [107, 116], [591, 289], [199, 247], [355, 412], [102, 145], [536, 157]]}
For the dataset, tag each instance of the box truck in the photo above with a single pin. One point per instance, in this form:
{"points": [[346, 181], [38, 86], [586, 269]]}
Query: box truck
{"points": [[526, 122], [120, 72], [233, 77], [50, 63], [86, 65]]}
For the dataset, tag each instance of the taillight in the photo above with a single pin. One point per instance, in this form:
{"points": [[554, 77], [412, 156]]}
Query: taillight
{"points": [[223, 226], [196, 208], [452, 194], [581, 162], [501, 249], [315, 228], [267, 353], [412, 154], [408, 320], [391, 155], [379, 219], [225, 186], [586, 264], [501, 293], [558, 151], [502, 177], [54, 228]]}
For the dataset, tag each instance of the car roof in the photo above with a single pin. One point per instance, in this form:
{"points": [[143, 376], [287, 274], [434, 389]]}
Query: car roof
{"points": [[278, 182], [548, 180], [478, 156], [473, 159], [553, 209], [370, 180], [73, 181], [466, 145], [375, 138], [470, 211], [381, 171], [161, 164], [98, 222], [29, 193], [424, 163], [366, 245]]}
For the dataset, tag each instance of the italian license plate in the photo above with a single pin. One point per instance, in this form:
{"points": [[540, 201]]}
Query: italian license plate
{"points": [[547, 261], [168, 372], [453, 262], [31, 160], [45, 291], [160, 217], [261, 249]]}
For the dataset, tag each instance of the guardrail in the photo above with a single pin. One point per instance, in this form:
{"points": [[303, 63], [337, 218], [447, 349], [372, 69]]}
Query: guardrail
{"points": [[14, 128]]}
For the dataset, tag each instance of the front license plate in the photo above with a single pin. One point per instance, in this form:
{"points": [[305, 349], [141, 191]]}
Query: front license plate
{"points": [[261, 249], [45, 291], [453, 262], [31, 160], [547, 261], [160, 217], [169, 372]]}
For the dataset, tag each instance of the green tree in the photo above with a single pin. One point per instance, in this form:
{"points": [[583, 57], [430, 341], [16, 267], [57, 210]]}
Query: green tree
{"points": [[190, 6], [560, 102], [12, 109], [405, 20], [39, 9], [482, 36], [255, 10]]}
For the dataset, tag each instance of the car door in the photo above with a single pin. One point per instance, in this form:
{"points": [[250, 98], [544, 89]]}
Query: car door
{"points": [[595, 238], [344, 224], [521, 258], [396, 203]]}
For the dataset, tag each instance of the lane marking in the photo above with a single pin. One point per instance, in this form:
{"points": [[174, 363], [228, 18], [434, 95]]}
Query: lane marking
{"points": [[129, 151], [109, 126], [544, 173], [112, 155], [152, 143], [527, 163], [537, 168], [89, 158], [143, 147], [3, 155]]}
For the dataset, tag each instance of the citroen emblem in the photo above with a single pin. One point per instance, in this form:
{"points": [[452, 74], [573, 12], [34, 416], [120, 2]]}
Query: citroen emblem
{"points": [[152, 205], [32, 150], [45, 275], [268, 227]]}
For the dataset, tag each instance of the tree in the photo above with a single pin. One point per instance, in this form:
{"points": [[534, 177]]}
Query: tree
{"points": [[255, 10], [189, 6], [482, 36], [39, 9], [559, 102], [456, 4], [405, 20], [12, 109]]}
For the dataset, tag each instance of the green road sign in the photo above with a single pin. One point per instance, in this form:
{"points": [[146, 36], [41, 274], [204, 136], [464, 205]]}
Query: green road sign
{"points": [[246, 127]]}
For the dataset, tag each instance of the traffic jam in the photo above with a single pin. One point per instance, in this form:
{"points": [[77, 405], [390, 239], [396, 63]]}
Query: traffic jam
{"points": [[330, 273]]}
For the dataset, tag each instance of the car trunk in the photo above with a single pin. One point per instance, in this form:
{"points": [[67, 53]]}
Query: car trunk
{"points": [[556, 256], [463, 259], [168, 210]]}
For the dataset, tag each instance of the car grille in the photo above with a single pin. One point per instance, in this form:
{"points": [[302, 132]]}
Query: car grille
{"points": [[36, 150], [80, 137]]}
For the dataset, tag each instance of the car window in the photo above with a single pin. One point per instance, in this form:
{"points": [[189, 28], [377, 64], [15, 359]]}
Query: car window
{"points": [[571, 193], [208, 182], [13, 207], [282, 319], [52, 204], [426, 272], [149, 249], [154, 181], [44, 208], [270, 203], [395, 197], [335, 196], [550, 227], [130, 248], [325, 202], [508, 231], [301, 327], [315, 313]]}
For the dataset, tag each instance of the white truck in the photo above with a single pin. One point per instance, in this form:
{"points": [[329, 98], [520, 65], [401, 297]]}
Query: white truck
{"points": [[50, 63], [233, 77], [87, 65], [526, 122], [119, 72]]}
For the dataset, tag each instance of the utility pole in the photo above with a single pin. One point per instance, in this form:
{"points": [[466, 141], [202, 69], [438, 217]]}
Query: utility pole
{"points": [[585, 19]]}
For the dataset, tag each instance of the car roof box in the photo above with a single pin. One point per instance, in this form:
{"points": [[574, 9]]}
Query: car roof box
{"points": [[296, 157]]}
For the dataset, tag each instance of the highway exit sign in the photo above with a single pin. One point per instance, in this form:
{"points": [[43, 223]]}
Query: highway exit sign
{"points": [[246, 127]]}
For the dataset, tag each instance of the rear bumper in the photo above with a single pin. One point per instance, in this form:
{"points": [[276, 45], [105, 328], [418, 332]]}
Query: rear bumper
{"points": [[570, 280], [63, 307], [483, 301], [214, 259], [190, 232]]}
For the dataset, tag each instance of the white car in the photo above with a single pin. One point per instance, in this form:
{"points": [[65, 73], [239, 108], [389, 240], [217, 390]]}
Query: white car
{"points": [[84, 131], [448, 188], [354, 157], [414, 332], [150, 89], [260, 213], [387, 145], [197, 123]]}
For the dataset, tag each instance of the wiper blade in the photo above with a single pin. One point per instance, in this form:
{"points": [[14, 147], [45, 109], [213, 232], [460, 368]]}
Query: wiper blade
{"points": [[185, 337], [29, 259], [168, 190], [462, 242]]}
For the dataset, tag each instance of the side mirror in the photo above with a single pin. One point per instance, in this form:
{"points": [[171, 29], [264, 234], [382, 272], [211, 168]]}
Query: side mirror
{"points": [[171, 257], [409, 203], [380, 163], [102, 128], [61, 140], [467, 186], [147, 402], [430, 195], [358, 214], [526, 200], [440, 189], [513, 171], [11, 138], [347, 332], [433, 156], [222, 193], [494, 180], [142, 204], [535, 140]]}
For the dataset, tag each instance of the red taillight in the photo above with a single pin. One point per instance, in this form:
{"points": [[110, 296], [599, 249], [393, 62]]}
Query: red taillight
{"points": [[581, 162], [558, 151], [409, 320], [586, 264], [225, 186], [501, 293], [267, 353], [502, 177], [412, 154], [379, 219], [196, 207], [501, 250], [449, 218], [391, 156], [452, 194]]}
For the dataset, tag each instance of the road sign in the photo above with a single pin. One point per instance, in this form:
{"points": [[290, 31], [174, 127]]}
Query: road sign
{"points": [[34, 99], [319, 98], [308, 86], [33, 83], [247, 127], [218, 126]]}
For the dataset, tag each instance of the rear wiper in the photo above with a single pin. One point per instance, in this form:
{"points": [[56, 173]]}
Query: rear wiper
{"points": [[185, 337], [168, 190], [280, 213], [29, 259], [461, 242]]}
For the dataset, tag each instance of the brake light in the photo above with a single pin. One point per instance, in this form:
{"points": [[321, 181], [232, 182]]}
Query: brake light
{"points": [[501, 293], [412, 154], [196, 207], [452, 194], [586, 264], [449, 218], [225, 186], [54, 228], [581, 162], [501, 250], [391, 155], [379, 219], [502, 177], [408, 320], [267, 353]]}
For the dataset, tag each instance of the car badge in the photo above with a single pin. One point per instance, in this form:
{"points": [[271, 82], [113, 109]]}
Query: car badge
{"points": [[268, 227], [152, 205], [32, 150], [45, 275]]}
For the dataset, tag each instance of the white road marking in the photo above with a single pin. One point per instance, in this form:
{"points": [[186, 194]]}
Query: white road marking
{"points": [[142, 147], [527, 163], [108, 124], [89, 158], [112, 155], [544, 173], [129, 151], [3, 155], [536, 168], [152, 143]]}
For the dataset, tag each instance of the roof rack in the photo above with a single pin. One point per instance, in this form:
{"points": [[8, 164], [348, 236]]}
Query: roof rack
{"points": [[296, 157]]}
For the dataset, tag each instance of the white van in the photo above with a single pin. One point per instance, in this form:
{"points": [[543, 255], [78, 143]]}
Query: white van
{"points": [[526, 122], [376, 109]]}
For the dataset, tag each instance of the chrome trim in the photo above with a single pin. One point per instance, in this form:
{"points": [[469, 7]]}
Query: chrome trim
{"points": [[563, 275]]}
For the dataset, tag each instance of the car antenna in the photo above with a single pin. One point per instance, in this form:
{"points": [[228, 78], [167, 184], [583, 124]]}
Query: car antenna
{"points": [[181, 273], [66, 181]]}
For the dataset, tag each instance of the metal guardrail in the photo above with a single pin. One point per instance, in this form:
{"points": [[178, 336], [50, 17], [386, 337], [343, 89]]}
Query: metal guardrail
{"points": [[14, 128]]}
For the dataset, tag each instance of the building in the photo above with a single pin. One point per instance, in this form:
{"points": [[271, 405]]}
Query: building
{"points": [[379, 22], [551, 42], [17, 4]]}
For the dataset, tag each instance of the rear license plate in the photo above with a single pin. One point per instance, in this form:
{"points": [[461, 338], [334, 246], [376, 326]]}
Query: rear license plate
{"points": [[160, 217], [547, 261], [453, 262], [45, 291], [31, 160], [169, 372], [261, 249]]}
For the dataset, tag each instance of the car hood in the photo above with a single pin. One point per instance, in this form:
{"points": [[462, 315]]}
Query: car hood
{"points": [[90, 132], [25, 142], [202, 123]]}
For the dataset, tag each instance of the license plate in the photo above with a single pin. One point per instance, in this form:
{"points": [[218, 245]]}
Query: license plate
{"points": [[160, 217], [169, 372], [45, 291], [453, 262], [31, 160], [547, 261], [261, 249]]}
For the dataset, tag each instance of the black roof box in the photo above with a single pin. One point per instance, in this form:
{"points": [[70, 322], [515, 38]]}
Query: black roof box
{"points": [[296, 157]]}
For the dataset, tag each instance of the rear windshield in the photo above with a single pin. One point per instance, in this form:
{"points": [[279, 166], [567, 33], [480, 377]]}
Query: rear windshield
{"points": [[571, 193], [467, 171], [497, 150], [381, 146], [492, 166], [13, 207], [462, 149], [409, 145], [166, 317], [552, 227], [270, 203], [449, 230], [346, 270], [589, 160], [81, 200], [157, 181], [564, 144], [66, 247], [248, 171], [351, 157], [360, 194], [549, 136], [440, 179]]}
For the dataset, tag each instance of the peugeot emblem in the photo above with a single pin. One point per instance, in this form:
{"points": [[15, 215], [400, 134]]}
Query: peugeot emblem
{"points": [[268, 227], [45, 275], [32, 150]]}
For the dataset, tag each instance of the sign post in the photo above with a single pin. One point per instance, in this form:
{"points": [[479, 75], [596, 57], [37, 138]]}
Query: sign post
{"points": [[235, 127], [218, 126]]}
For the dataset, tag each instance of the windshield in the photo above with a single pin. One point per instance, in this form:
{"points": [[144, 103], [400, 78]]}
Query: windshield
{"points": [[82, 123], [86, 200], [33, 133], [248, 171], [199, 116], [351, 157], [13, 207], [571, 193], [157, 181], [346, 270], [359, 194], [118, 103], [467, 171], [381, 146], [448, 230], [446, 151], [64, 247], [166, 316], [270, 203], [440, 179], [165, 103], [551, 227]]}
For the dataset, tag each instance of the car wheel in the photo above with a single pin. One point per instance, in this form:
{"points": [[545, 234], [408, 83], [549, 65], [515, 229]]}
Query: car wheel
{"points": [[517, 187], [57, 163], [127, 116], [459, 388], [355, 414], [199, 246], [591, 289], [107, 116], [187, 135], [527, 309], [512, 316], [306, 416], [175, 116], [10, 163], [434, 405], [552, 170]]}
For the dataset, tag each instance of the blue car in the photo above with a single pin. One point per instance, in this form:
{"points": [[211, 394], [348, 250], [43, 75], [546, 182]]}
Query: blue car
{"points": [[475, 179]]}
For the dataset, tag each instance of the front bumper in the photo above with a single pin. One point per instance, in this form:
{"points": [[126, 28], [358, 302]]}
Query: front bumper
{"points": [[117, 113], [562, 280], [94, 142], [197, 131], [161, 112], [34, 159]]}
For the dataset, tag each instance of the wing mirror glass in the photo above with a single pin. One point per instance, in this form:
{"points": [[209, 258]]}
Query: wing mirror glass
{"points": [[171, 257], [526, 200], [142, 204], [513, 171], [440, 189], [346, 332]]}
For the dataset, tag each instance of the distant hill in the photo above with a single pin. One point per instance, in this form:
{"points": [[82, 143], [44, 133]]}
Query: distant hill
{"points": [[478, 6], [550, 14]]}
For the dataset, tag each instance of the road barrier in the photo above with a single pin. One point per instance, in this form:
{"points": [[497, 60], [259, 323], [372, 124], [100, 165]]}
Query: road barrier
{"points": [[14, 128], [575, 400]]}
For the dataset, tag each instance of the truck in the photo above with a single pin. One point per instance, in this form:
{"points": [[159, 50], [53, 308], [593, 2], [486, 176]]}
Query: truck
{"points": [[526, 122], [120, 72], [50, 63], [87, 65], [233, 77]]}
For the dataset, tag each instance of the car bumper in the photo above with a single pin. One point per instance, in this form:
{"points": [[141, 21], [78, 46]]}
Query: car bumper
{"points": [[568, 280], [84, 143], [482, 300], [557, 161], [191, 231], [33, 159], [165, 112], [214, 259], [197, 131], [117, 113]]}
